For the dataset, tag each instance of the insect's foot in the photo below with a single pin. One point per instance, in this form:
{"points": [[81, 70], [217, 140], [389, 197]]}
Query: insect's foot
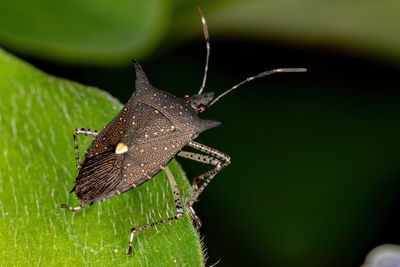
{"points": [[133, 230], [195, 187], [63, 206], [194, 216], [129, 253], [198, 223]]}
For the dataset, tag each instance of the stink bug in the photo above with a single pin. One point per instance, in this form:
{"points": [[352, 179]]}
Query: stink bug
{"points": [[150, 130]]}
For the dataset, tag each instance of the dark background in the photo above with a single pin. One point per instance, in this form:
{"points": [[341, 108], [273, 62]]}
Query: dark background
{"points": [[315, 172]]}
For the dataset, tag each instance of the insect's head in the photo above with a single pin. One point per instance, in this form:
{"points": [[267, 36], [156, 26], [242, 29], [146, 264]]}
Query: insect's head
{"points": [[199, 102]]}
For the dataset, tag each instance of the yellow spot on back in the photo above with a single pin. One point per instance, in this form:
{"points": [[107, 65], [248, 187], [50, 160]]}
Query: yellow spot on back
{"points": [[121, 148]]}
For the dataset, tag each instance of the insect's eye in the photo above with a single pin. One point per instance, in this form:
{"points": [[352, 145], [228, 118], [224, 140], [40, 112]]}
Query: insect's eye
{"points": [[187, 95], [202, 108]]}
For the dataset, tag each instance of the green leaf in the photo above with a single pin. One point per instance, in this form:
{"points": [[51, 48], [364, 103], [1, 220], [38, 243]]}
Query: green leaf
{"points": [[38, 114], [90, 31]]}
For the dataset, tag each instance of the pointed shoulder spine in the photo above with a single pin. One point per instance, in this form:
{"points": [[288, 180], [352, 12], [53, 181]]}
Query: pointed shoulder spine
{"points": [[141, 78]]}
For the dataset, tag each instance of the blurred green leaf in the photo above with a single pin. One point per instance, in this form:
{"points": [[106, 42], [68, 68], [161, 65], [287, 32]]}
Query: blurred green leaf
{"points": [[361, 26], [105, 32], [38, 114], [90, 31]]}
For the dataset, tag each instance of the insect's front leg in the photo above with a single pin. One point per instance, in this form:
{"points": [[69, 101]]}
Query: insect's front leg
{"points": [[203, 159], [214, 157]]}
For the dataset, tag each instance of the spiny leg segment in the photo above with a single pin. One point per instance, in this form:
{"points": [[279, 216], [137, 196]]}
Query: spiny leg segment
{"points": [[214, 157], [205, 178], [199, 158], [79, 131], [178, 206], [82, 131], [63, 206], [204, 159]]}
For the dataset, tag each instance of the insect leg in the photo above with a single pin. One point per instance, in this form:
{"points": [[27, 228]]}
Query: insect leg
{"points": [[63, 206], [216, 158], [199, 158], [178, 206], [82, 131]]}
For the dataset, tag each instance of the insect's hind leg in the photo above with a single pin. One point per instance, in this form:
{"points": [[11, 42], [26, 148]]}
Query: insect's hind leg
{"points": [[79, 131], [82, 131], [178, 206]]}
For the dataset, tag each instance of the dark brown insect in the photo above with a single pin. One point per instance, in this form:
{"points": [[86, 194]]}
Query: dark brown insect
{"points": [[150, 130]]}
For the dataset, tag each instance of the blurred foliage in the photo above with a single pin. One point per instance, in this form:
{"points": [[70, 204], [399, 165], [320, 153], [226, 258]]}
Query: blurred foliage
{"points": [[89, 31], [108, 32], [38, 114], [361, 27], [315, 167]]}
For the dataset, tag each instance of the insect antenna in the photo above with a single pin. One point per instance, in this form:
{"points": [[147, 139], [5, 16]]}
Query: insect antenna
{"points": [[262, 74], [207, 37]]}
